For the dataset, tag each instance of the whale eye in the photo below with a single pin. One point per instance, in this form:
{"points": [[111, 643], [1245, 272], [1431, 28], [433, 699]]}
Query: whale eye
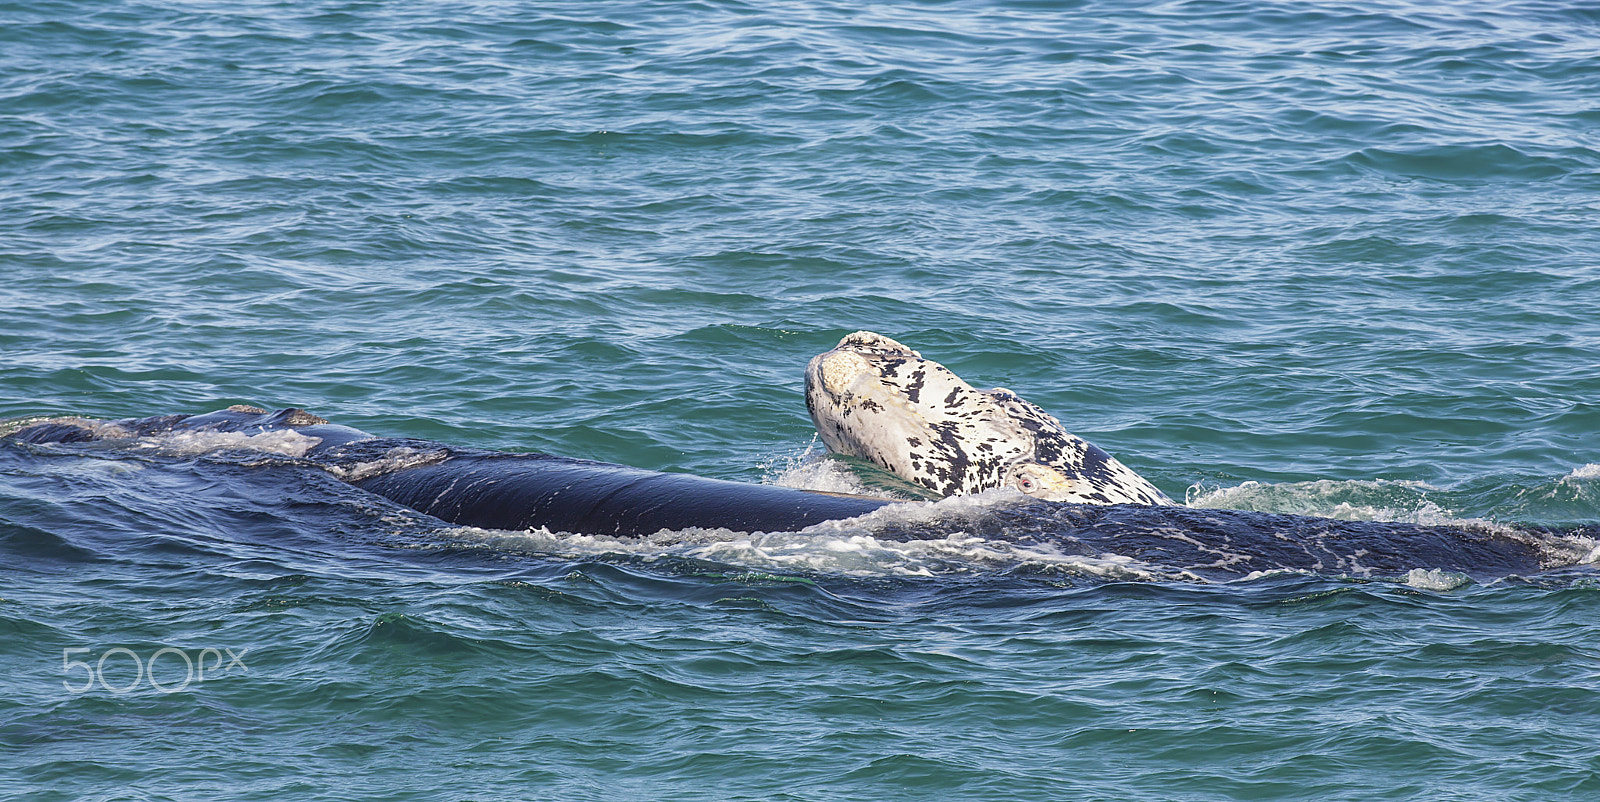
{"points": [[1039, 481]]}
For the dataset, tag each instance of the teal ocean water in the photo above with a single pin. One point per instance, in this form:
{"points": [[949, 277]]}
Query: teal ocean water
{"points": [[1336, 259]]}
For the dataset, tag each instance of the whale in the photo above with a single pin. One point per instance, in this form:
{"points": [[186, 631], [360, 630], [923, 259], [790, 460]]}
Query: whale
{"points": [[1056, 492], [522, 491], [496, 489], [873, 398]]}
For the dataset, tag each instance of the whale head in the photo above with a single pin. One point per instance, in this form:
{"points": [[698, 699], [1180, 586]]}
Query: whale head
{"points": [[875, 399]]}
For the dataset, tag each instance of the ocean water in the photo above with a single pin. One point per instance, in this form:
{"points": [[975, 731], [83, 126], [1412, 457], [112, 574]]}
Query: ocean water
{"points": [[1337, 259]]}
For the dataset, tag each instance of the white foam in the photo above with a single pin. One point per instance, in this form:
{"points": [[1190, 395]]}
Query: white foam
{"points": [[813, 468], [1594, 553], [1436, 579], [847, 547], [810, 469], [1589, 471], [943, 511], [1270, 573], [859, 554]]}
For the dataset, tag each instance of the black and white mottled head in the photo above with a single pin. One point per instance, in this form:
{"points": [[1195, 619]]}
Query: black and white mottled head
{"points": [[873, 398]]}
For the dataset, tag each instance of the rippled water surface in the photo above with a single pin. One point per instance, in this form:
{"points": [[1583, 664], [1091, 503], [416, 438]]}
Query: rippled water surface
{"points": [[1336, 259]]}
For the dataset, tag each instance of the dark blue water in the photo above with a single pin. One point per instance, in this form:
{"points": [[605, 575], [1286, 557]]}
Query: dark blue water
{"points": [[1320, 259]]}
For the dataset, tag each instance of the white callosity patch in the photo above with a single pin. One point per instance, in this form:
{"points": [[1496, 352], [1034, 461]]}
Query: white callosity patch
{"points": [[394, 460], [282, 442], [93, 429], [873, 398]]}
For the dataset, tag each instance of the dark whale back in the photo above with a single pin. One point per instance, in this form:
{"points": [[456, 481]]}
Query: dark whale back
{"points": [[528, 491], [498, 490]]}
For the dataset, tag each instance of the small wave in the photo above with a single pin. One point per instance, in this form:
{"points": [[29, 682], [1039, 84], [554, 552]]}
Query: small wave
{"points": [[1489, 502], [1344, 500], [808, 469], [1505, 513], [813, 468], [1464, 163]]}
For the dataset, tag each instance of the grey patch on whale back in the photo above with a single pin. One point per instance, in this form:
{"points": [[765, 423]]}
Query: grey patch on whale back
{"points": [[873, 398], [292, 416], [300, 417]]}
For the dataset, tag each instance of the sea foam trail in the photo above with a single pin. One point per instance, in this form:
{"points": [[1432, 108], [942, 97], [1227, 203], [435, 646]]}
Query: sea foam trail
{"points": [[851, 547]]}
